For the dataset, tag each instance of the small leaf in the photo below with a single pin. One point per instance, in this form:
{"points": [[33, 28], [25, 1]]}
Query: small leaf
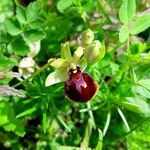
{"points": [[65, 51], [100, 140], [18, 46], [145, 83], [63, 4], [13, 27], [137, 105], [123, 33], [127, 11], [55, 77], [141, 24], [32, 12], [142, 91], [33, 35], [21, 14]]}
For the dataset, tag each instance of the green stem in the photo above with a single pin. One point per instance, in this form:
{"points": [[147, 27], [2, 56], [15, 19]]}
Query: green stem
{"points": [[91, 114]]}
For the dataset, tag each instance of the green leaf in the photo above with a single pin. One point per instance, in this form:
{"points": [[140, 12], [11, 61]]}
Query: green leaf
{"points": [[32, 12], [141, 24], [27, 112], [12, 26], [100, 141], [18, 46], [6, 62], [144, 108], [9, 122], [145, 83], [55, 77], [127, 11], [142, 91], [33, 36], [65, 51], [21, 14], [3, 113], [36, 24], [123, 33], [63, 4]]}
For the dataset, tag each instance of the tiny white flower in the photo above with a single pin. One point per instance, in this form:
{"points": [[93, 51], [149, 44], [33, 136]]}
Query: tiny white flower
{"points": [[26, 66]]}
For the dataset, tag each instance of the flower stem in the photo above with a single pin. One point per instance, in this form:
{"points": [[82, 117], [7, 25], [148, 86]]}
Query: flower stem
{"points": [[91, 114]]}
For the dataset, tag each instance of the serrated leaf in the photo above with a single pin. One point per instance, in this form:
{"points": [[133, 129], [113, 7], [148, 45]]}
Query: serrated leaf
{"points": [[18, 46], [21, 14], [63, 4], [32, 11], [127, 11], [55, 77], [141, 24], [123, 33], [33, 36], [12, 124], [13, 27], [145, 83], [142, 91]]}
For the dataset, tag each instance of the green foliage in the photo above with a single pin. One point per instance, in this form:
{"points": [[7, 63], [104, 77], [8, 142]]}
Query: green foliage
{"points": [[141, 24], [127, 11], [8, 120], [33, 116]]}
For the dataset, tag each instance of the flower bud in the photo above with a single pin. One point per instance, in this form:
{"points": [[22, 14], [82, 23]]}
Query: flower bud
{"points": [[80, 87], [91, 53], [26, 66], [86, 38]]}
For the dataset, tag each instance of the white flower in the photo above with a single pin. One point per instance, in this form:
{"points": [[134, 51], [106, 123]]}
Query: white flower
{"points": [[26, 66]]}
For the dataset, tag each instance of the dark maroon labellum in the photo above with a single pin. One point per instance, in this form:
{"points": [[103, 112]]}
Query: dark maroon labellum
{"points": [[80, 87]]}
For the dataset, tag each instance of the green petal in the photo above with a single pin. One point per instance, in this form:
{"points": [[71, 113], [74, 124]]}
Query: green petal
{"points": [[65, 51], [77, 54], [55, 77]]}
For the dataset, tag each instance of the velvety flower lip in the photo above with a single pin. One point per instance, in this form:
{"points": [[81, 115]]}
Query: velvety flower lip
{"points": [[80, 87]]}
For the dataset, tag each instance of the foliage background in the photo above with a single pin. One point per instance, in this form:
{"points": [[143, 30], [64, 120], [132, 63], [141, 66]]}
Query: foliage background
{"points": [[41, 120]]}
